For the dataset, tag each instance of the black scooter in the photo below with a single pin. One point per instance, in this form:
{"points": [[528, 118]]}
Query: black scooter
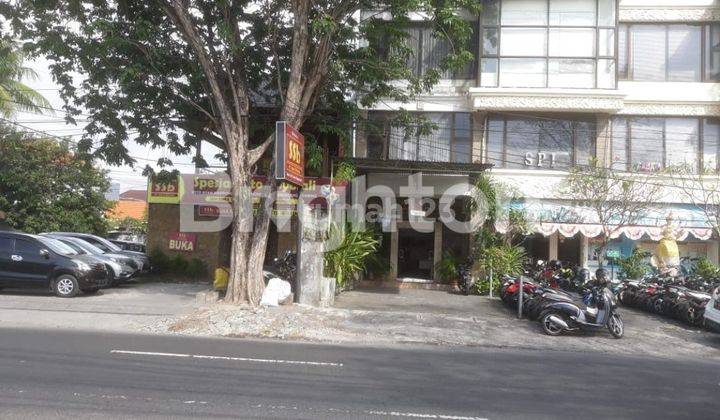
{"points": [[599, 311]]}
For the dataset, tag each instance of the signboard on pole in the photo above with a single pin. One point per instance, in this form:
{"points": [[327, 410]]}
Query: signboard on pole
{"points": [[289, 153]]}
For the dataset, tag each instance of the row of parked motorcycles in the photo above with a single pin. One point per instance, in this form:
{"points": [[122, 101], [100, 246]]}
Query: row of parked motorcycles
{"points": [[683, 298], [565, 300]]}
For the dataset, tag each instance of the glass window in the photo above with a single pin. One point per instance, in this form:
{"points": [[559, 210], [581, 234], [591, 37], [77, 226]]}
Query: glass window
{"points": [[490, 41], [683, 53], [540, 30], [23, 246], [606, 12], [523, 72], [622, 52], [545, 143], [572, 12], [584, 142], [681, 142], [434, 52], [606, 42], [571, 73], [489, 72], [490, 12], [648, 46], [711, 145], [450, 139], [462, 142], [376, 131], [618, 159], [661, 52], [606, 74], [6, 244], [523, 42], [646, 144], [524, 12], [572, 42], [494, 153], [659, 143], [712, 52]]}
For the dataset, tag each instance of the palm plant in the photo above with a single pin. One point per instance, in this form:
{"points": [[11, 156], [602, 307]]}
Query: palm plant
{"points": [[353, 250], [14, 95]]}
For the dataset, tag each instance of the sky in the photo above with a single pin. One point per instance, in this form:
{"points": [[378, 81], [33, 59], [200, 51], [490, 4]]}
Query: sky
{"points": [[54, 124]]}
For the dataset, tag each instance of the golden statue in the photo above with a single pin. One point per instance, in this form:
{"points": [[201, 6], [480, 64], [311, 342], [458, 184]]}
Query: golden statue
{"points": [[667, 254]]}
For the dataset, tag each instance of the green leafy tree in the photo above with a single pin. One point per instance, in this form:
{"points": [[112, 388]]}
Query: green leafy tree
{"points": [[46, 187], [615, 200], [14, 94], [177, 72]]}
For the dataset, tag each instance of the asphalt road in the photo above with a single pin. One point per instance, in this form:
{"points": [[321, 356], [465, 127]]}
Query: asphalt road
{"points": [[65, 374]]}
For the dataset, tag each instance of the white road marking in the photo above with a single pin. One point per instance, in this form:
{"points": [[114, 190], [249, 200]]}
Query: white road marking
{"points": [[421, 415], [237, 359]]}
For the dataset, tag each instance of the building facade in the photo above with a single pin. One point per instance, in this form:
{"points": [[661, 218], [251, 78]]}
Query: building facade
{"points": [[631, 84]]}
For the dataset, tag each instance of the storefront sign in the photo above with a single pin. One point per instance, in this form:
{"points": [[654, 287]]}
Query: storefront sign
{"points": [[289, 153], [543, 159], [182, 242], [164, 192]]}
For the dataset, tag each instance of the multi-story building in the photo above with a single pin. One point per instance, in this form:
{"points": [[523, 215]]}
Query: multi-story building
{"points": [[632, 84]]}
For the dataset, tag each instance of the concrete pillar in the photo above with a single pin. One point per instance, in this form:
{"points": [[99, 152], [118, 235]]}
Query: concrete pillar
{"points": [[478, 132], [310, 258], [583, 250], [394, 243], [553, 246], [437, 247], [603, 142], [713, 248]]}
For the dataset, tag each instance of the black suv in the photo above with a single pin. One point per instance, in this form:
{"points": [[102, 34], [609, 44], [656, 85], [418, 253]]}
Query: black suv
{"points": [[30, 261]]}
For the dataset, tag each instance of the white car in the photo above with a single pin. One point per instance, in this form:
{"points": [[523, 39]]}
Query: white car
{"points": [[712, 311]]}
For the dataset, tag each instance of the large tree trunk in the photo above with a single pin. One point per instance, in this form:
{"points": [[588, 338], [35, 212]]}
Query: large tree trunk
{"points": [[246, 281]]}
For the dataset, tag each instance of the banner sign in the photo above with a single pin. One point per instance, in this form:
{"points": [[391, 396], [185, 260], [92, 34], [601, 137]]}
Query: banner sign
{"points": [[166, 192], [182, 242], [289, 153]]}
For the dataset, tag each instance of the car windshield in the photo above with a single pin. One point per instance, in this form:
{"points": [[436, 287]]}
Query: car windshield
{"points": [[72, 245], [87, 246], [57, 246], [106, 245]]}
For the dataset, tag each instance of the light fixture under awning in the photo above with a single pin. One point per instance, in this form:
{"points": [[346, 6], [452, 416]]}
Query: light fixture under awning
{"points": [[568, 219]]}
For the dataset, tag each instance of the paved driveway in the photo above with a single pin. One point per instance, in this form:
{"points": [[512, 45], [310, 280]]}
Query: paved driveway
{"points": [[128, 307]]}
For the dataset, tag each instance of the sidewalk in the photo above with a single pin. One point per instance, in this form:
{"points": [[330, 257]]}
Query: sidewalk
{"points": [[439, 318]]}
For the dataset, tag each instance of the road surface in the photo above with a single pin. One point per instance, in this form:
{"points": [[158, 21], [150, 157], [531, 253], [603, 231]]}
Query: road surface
{"points": [[70, 374]]}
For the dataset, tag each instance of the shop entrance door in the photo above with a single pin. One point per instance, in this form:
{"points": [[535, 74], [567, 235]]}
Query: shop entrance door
{"points": [[415, 254], [569, 249]]}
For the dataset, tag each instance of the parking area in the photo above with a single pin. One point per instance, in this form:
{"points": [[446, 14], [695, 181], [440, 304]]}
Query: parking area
{"points": [[123, 308]]}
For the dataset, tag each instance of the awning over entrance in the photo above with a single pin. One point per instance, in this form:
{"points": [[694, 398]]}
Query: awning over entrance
{"points": [[548, 217]]}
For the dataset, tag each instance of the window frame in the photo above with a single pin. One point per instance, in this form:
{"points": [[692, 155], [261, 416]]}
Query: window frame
{"points": [[387, 120], [420, 70], [700, 157], [596, 57], [629, 76], [572, 119]]}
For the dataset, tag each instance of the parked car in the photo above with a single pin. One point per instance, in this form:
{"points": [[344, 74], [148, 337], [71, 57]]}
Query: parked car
{"points": [[142, 260], [712, 311], [128, 241], [121, 268], [31, 261]]}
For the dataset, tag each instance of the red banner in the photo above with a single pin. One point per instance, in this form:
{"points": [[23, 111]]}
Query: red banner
{"points": [[289, 153]]}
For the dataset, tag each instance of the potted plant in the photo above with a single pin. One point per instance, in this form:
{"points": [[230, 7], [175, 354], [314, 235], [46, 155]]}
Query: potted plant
{"points": [[446, 269]]}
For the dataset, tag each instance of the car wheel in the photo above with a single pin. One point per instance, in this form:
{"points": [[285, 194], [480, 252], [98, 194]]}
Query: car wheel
{"points": [[66, 286]]}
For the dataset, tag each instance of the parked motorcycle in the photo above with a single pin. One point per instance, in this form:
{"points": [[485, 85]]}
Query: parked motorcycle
{"points": [[466, 282], [598, 310]]}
